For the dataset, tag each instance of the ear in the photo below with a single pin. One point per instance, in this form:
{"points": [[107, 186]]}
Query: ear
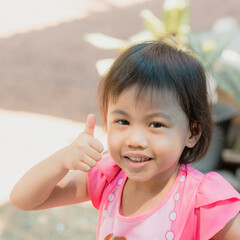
{"points": [[194, 135]]}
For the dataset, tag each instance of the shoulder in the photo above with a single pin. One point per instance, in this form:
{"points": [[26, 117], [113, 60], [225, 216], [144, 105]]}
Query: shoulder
{"points": [[208, 187], [100, 177], [214, 188], [216, 202]]}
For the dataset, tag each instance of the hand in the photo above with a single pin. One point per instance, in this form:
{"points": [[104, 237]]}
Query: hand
{"points": [[85, 151]]}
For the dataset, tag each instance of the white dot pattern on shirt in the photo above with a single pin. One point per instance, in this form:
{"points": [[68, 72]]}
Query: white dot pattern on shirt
{"points": [[182, 178], [173, 214], [105, 213], [120, 181], [169, 235], [111, 197], [176, 197]]}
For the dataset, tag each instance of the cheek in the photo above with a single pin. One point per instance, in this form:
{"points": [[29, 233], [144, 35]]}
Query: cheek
{"points": [[113, 141], [116, 143], [167, 144]]}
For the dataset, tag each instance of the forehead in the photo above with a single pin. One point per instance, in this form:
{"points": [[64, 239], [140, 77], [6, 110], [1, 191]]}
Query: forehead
{"points": [[145, 98]]}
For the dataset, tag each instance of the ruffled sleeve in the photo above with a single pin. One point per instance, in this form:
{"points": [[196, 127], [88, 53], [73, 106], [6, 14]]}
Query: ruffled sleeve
{"points": [[216, 204], [100, 177]]}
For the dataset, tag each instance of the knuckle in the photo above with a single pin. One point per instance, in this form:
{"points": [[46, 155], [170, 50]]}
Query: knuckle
{"points": [[79, 165], [88, 162], [101, 148], [81, 144], [87, 168], [99, 156], [80, 155], [93, 164]]}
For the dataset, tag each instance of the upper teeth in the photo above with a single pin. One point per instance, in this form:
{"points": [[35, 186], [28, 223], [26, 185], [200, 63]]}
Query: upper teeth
{"points": [[138, 159]]}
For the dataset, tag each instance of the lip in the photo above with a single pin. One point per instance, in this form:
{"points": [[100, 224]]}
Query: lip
{"points": [[136, 155], [136, 164]]}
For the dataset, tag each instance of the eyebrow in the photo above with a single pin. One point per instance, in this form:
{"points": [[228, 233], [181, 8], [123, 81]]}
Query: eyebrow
{"points": [[120, 112], [148, 116]]}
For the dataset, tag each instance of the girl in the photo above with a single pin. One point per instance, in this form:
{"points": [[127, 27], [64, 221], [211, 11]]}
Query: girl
{"points": [[155, 110]]}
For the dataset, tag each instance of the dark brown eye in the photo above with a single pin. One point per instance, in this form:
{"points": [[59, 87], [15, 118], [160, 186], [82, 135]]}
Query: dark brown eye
{"points": [[123, 122], [155, 125]]}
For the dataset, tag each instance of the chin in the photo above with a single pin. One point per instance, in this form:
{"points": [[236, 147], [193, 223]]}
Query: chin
{"points": [[138, 177]]}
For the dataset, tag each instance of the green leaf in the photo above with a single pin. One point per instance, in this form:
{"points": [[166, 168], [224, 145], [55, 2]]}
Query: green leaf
{"points": [[228, 79], [105, 42], [222, 43], [196, 46], [152, 23], [195, 43], [231, 58], [176, 16]]}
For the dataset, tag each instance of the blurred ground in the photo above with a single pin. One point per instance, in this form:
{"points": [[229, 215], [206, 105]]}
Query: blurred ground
{"points": [[48, 83]]}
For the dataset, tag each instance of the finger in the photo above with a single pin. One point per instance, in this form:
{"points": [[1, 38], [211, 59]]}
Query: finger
{"points": [[91, 122], [96, 144], [88, 161], [79, 165], [93, 154]]}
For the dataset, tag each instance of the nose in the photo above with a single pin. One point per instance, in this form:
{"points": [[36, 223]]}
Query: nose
{"points": [[137, 139]]}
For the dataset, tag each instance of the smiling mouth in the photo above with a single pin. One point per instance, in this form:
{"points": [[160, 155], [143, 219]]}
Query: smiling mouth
{"points": [[138, 159]]}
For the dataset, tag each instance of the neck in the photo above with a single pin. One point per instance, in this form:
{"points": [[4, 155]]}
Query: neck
{"points": [[159, 183], [140, 197]]}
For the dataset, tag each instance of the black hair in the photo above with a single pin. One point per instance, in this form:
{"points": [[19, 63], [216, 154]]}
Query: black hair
{"points": [[159, 67]]}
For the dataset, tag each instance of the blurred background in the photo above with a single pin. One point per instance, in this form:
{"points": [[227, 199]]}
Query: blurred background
{"points": [[52, 54]]}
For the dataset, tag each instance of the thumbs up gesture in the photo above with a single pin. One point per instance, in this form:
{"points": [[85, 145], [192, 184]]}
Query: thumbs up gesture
{"points": [[85, 151], [91, 122]]}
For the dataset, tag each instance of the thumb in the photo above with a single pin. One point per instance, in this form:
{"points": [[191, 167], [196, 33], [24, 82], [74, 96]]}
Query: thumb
{"points": [[91, 122]]}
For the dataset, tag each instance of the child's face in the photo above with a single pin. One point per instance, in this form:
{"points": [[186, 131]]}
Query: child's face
{"points": [[146, 140]]}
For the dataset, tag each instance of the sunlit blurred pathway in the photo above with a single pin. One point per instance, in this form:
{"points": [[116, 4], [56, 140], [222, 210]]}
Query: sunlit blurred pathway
{"points": [[25, 15]]}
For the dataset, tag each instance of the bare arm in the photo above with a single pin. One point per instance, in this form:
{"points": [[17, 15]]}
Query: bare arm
{"points": [[50, 183], [230, 231]]}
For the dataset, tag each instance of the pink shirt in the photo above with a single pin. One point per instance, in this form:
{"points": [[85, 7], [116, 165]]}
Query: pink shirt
{"points": [[196, 207]]}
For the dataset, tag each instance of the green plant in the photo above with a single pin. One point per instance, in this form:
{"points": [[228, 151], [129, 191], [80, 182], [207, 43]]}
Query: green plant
{"points": [[222, 65], [175, 28]]}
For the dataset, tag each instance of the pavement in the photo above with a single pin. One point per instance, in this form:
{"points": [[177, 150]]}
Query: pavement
{"points": [[48, 83]]}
